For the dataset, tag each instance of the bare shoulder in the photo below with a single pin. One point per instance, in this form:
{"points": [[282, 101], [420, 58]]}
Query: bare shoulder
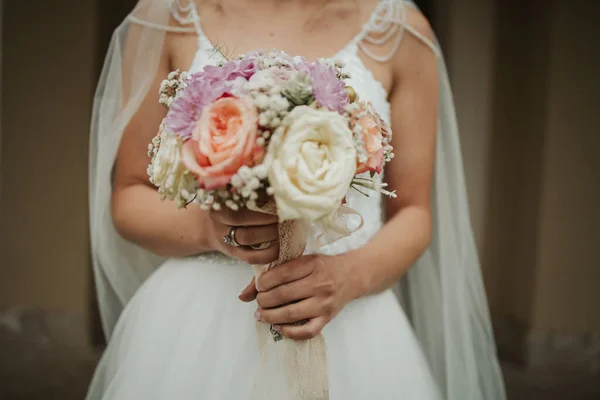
{"points": [[419, 22], [367, 7], [414, 53]]}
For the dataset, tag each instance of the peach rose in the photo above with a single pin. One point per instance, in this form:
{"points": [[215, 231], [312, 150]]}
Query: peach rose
{"points": [[223, 140], [372, 135]]}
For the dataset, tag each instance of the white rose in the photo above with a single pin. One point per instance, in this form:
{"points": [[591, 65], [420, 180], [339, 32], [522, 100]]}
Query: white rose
{"points": [[312, 162], [168, 173]]}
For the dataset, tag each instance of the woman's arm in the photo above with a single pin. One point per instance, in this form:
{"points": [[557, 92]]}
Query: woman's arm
{"points": [[407, 233], [137, 211], [141, 217]]}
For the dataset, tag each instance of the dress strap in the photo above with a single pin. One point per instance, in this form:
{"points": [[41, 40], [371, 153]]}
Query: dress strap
{"points": [[183, 12], [388, 22]]}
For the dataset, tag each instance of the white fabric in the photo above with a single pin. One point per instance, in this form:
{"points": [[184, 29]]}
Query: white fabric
{"points": [[185, 335]]}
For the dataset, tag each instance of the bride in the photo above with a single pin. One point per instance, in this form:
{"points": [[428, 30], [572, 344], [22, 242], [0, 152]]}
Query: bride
{"points": [[178, 301]]}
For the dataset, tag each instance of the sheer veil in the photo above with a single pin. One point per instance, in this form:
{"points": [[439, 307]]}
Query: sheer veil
{"points": [[446, 297], [120, 267]]}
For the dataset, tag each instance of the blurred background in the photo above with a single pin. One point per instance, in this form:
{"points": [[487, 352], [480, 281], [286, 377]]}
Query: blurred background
{"points": [[526, 84]]}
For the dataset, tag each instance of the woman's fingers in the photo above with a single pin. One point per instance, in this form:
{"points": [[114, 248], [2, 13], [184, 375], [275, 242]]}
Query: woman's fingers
{"points": [[284, 294], [291, 313], [288, 272], [243, 217], [252, 256], [251, 229], [249, 293], [302, 332], [254, 235]]}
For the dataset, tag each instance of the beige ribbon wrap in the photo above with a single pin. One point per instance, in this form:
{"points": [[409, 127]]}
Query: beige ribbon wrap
{"points": [[305, 361]]}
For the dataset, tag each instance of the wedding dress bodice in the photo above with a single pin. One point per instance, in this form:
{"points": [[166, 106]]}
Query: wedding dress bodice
{"points": [[368, 88]]}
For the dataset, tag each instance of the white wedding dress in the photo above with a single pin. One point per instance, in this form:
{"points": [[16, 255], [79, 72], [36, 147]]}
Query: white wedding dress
{"points": [[185, 335]]}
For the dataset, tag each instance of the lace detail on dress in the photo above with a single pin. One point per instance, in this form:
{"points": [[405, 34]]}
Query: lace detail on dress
{"points": [[388, 22]]}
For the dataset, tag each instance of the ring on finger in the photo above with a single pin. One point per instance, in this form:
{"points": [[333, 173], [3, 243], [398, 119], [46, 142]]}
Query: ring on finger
{"points": [[229, 238]]}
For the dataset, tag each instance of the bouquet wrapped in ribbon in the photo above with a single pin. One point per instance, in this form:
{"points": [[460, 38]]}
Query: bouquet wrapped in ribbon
{"points": [[270, 124]]}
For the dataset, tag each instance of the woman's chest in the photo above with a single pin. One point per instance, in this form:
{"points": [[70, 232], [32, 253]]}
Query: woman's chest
{"points": [[328, 33], [189, 51]]}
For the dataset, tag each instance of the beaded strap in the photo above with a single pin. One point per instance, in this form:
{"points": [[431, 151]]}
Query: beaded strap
{"points": [[388, 22], [183, 12]]}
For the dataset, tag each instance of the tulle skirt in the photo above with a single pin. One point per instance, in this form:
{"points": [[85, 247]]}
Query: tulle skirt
{"points": [[185, 335]]}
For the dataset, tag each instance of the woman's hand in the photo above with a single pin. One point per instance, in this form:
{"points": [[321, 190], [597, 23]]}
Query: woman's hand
{"points": [[311, 288], [251, 228]]}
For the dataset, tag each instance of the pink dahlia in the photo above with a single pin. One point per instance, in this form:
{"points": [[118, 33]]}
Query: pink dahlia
{"points": [[230, 71], [202, 89], [328, 89], [189, 104]]}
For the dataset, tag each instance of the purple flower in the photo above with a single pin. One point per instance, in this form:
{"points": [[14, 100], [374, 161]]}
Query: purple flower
{"points": [[229, 71], [189, 104], [328, 89], [202, 89], [246, 69], [254, 54]]}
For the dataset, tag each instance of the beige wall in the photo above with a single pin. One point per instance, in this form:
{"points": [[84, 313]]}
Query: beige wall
{"points": [[48, 82], [523, 74], [510, 252], [567, 287]]}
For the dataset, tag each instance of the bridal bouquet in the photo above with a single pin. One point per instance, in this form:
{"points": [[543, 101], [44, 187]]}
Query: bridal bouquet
{"points": [[268, 123]]}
